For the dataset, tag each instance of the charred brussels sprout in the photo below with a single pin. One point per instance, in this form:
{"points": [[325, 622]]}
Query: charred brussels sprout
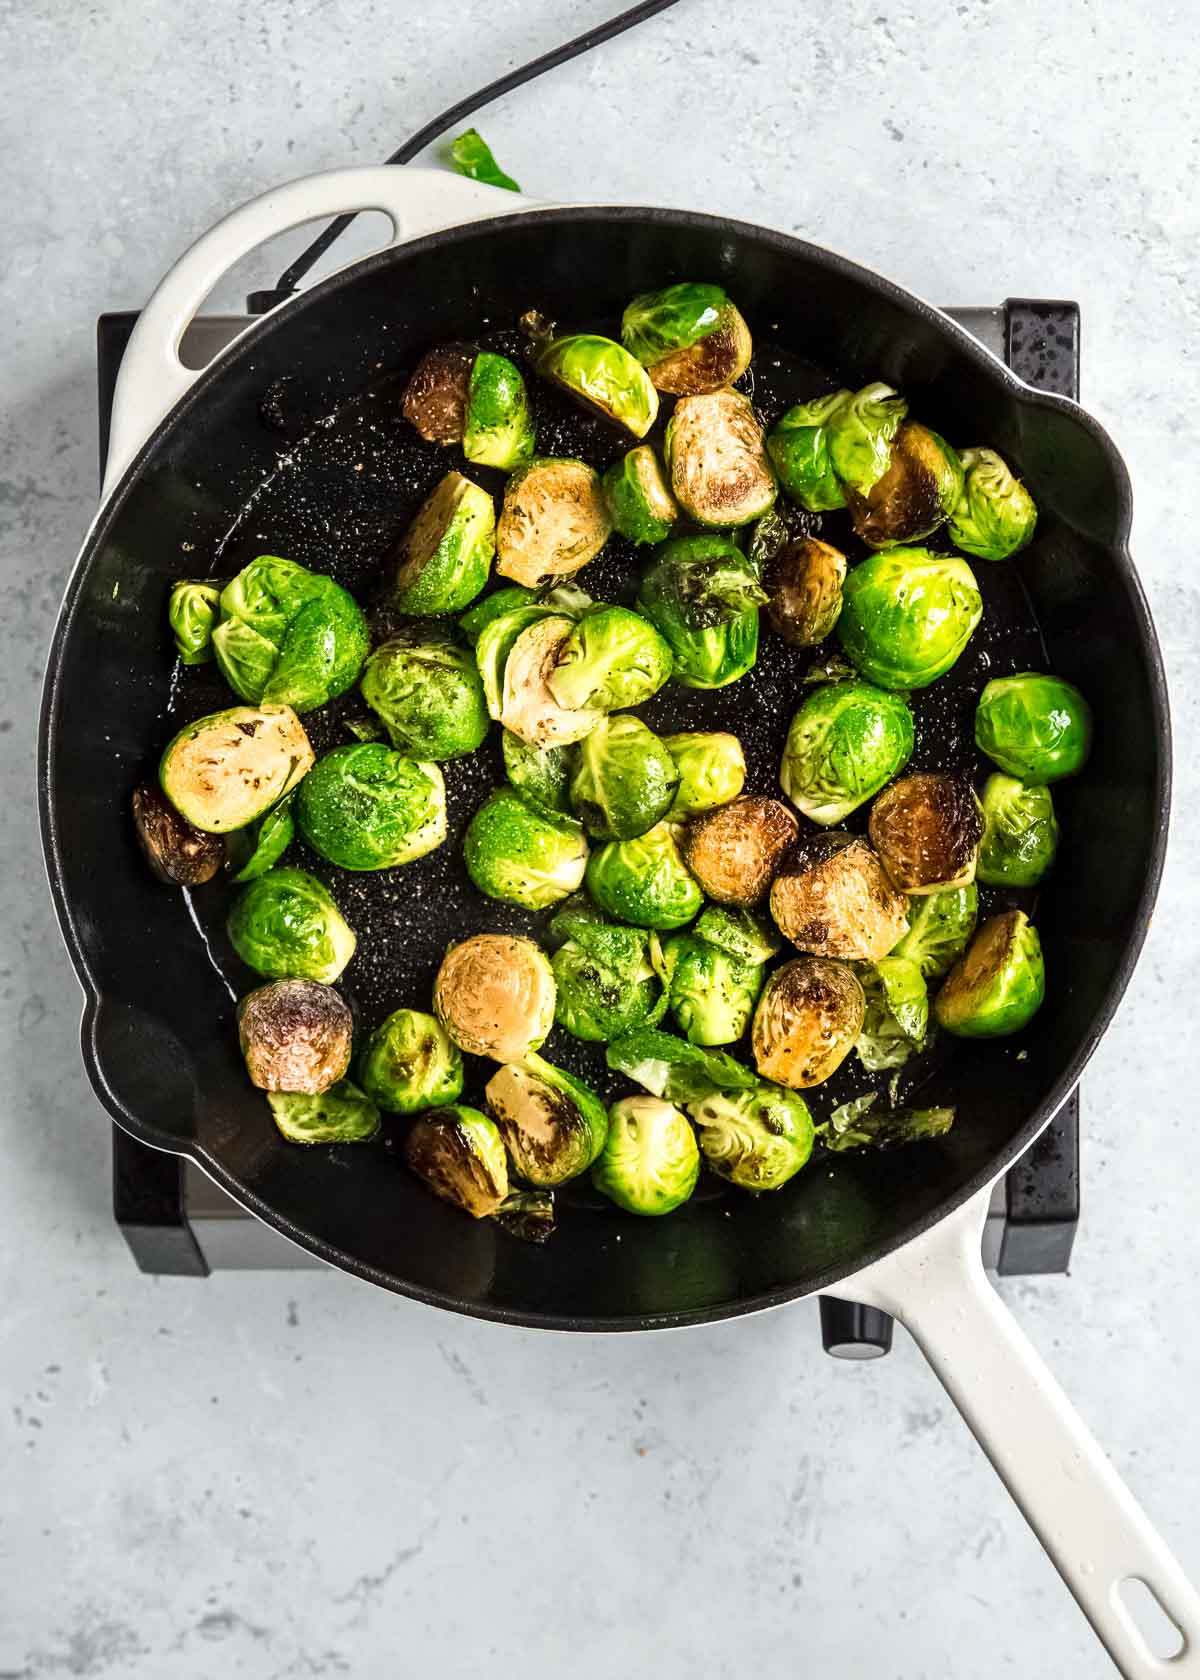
{"points": [[288, 636], [757, 1139], [998, 986], [703, 596], [807, 1021], [516, 853], [295, 1036], [799, 449], [907, 614], [410, 1063], [286, 926], [177, 852], [927, 830], [612, 658], [719, 471], [844, 743], [435, 398], [1036, 727], [494, 994], [429, 696], [804, 590], [343, 1114], [735, 851], [670, 1067], [624, 781], [915, 495], [644, 881], [1020, 833], [369, 807], [603, 376], [444, 557], [939, 926], [270, 838], [554, 520], [497, 424], [716, 973], [607, 983], [832, 898], [553, 1126], [527, 705], [639, 503], [896, 1021], [690, 336], [994, 515], [650, 1162], [227, 769], [861, 433], [457, 1152], [192, 615], [541, 775], [712, 771]]}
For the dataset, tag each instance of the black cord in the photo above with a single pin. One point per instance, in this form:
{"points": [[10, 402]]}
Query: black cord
{"points": [[289, 281]]}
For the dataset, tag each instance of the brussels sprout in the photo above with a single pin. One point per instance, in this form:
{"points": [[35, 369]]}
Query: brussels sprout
{"points": [[527, 705], [286, 926], [915, 495], [860, 1125], [1036, 727], [494, 994], [602, 375], [734, 852], [897, 1015], [833, 899], [906, 616], [939, 926], [757, 1139], [644, 881], [554, 520], [271, 837], [703, 595], [639, 503], [541, 775], [862, 430], [435, 398], [429, 695], [497, 638], [288, 636], [994, 515], [1020, 833], [471, 155], [807, 1021], [224, 770], [553, 1126], [844, 743], [611, 658], [177, 852], [369, 807], [497, 426], [443, 559], [295, 1036], [457, 1153], [624, 781], [998, 986], [716, 973], [670, 1067], [192, 613], [690, 336], [799, 448], [606, 978], [712, 771], [804, 590], [343, 1114], [516, 853], [717, 461], [927, 830], [650, 1162], [409, 1063]]}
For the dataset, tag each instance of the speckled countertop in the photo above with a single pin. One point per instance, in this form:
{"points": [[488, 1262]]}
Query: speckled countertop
{"points": [[293, 1475]]}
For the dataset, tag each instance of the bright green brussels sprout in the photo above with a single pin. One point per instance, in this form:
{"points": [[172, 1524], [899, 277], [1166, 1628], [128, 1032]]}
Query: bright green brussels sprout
{"points": [[471, 155], [844, 743], [541, 775], [494, 994], [343, 1114], [716, 972], [939, 926], [1020, 833], [445, 555], [703, 595], [286, 926], [230, 767], [612, 658], [897, 1019], [757, 1139], [650, 1162], [370, 807], [429, 695], [712, 771], [409, 1063], [718, 464], [915, 495], [624, 781], [272, 836], [799, 447], [906, 616], [497, 426], [861, 432], [192, 613], [644, 881], [1036, 727], [670, 1067], [998, 985], [554, 520], [859, 1124], [639, 503], [690, 336], [604, 376], [804, 581], [553, 1126], [458, 1153], [606, 979], [288, 636], [521, 855], [994, 515]]}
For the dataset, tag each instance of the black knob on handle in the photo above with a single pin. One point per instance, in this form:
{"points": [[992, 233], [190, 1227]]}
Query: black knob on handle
{"points": [[852, 1331]]}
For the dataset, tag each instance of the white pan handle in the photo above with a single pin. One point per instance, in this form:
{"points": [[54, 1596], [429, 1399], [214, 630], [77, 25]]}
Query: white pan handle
{"points": [[1077, 1505], [153, 379]]}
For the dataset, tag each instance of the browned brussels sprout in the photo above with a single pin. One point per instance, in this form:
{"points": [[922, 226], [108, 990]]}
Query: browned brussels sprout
{"points": [[720, 473], [927, 828], [179, 854], [295, 1035], [554, 520], [804, 588], [832, 897], [690, 336], [998, 986], [735, 851], [494, 994], [915, 495], [435, 398], [458, 1153], [807, 1020]]}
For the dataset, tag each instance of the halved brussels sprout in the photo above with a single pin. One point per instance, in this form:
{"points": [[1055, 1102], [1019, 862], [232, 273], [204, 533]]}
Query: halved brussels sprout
{"points": [[927, 830], [804, 590], [343, 1114], [224, 770], [734, 852], [716, 972], [271, 837], [435, 398], [844, 743], [601, 374], [607, 981], [516, 853], [457, 1153], [295, 1035], [717, 460], [703, 595], [994, 515], [862, 1125], [712, 771], [998, 986], [429, 695], [288, 636], [690, 336], [409, 1063], [624, 781], [553, 1126], [799, 448], [541, 775], [1036, 727], [757, 1139], [939, 926], [613, 657], [498, 636], [650, 1162], [192, 615], [1020, 833], [862, 430], [286, 926], [494, 994], [528, 706], [896, 1022], [369, 807], [807, 1021], [639, 503], [907, 614], [832, 898], [497, 424], [916, 494], [554, 520], [177, 852], [444, 557], [670, 1067], [644, 881]]}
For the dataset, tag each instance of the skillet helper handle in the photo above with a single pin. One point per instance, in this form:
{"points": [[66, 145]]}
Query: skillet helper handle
{"points": [[1097, 1535], [153, 379]]}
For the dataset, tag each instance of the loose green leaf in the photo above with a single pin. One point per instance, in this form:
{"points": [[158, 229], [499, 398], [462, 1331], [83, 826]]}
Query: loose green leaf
{"points": [[471, 155]]}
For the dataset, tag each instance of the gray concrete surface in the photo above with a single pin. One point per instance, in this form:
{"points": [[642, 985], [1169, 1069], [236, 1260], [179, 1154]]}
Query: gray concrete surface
{"points": [[276, 1476]]}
